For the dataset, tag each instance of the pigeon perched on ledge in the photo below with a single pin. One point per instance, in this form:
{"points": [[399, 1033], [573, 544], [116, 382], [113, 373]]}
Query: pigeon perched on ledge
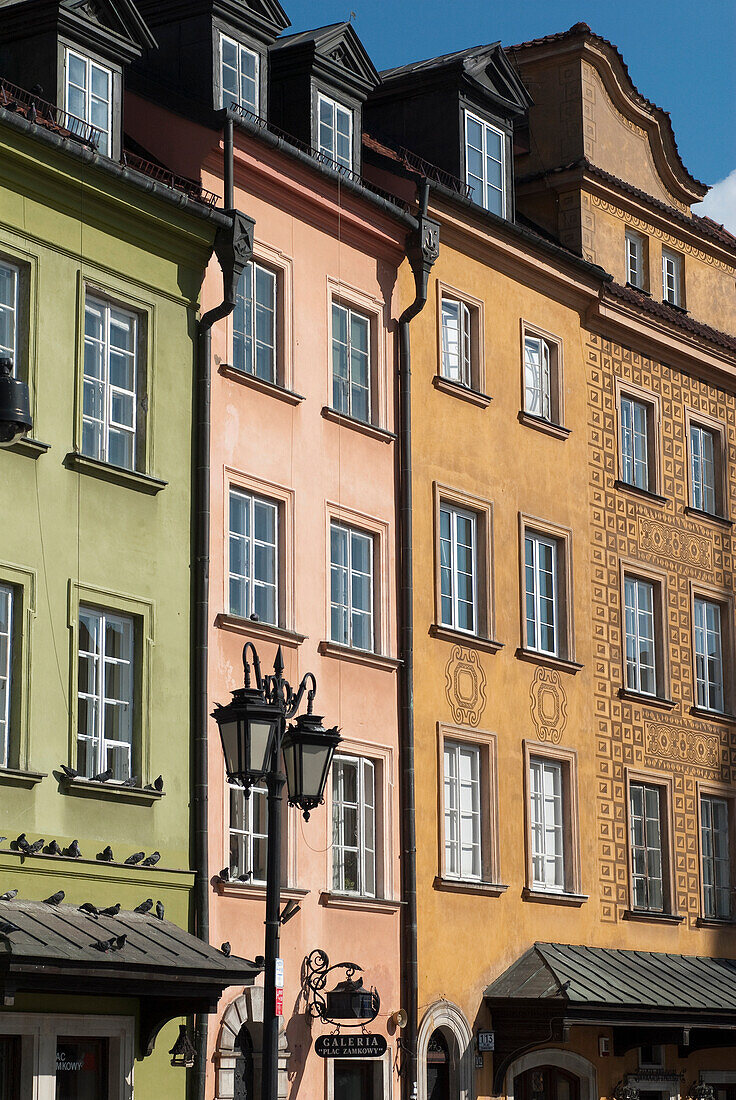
{"points": [[106, 855], [55, 899], [73, 851], [160, 910], [102, 777], [135, 858], [111, 911], [157, 785], [145, 906], [70, 773], [152, 860], [8, 895], [53, 849], [90, 909]]}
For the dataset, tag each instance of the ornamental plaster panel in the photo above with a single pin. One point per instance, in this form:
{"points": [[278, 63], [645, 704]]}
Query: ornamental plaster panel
{"points": [[465, 686]]}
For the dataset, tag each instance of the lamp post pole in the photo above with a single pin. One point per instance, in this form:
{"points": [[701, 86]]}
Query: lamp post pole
{"points": [[270, 1056]]}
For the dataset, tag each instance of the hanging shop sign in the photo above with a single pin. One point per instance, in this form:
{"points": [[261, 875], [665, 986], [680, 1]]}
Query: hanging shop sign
{"points": [[350, 1046]]}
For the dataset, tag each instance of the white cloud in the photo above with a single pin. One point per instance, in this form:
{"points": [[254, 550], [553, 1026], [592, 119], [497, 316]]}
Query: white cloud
{"points": [[720, 203]]}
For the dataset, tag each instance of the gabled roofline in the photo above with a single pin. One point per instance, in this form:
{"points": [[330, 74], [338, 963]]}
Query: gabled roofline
{"points": [[613, 70], [239, 13], [316, 45], [27, 18]]}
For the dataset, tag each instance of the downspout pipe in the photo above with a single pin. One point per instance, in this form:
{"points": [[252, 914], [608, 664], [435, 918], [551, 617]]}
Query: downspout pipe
{"points": [[422, 250], [233, 248]]}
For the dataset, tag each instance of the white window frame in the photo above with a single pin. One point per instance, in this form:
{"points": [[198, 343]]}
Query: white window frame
{"points": [[247, 836], [11, 308], [708, 667], [634, 259], [98, 740], [712, 910], [538, 540], [40, 1032], [240, 50], [461, 370], [649, 845], [249, 580], [634, 444], [541, 388], [671, 277], [638, 610], [250, 310], [351, 532], [700, 489], [485, 127], [109, 392], [7, 596], [547, 822], [367, 820], [364, 318], [335, 109], [456, 513], [463, 828], [105, 145]]}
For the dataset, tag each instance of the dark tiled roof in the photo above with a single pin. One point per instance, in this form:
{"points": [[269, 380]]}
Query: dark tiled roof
{"points": [[314, 35], [604, 976], [674, 317], [435, 62], [696, 222], [584, 29]]}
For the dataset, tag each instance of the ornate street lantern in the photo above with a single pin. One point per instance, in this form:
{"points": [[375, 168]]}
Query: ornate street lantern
{"points": [[15, 409], [183, 1052], [308, 750], [349, 1000], [249, 728]]}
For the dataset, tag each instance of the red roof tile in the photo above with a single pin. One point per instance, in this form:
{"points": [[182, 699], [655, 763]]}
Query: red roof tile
{"points": [[666, 313]]}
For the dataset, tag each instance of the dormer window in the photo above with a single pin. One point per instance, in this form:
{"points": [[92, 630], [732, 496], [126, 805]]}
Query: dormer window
{"points": [[88, 95], [485, 164], [238, 75], [335, 133]]}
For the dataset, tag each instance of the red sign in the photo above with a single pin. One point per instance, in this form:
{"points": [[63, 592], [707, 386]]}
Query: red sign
{"points": [[279, 1002]]}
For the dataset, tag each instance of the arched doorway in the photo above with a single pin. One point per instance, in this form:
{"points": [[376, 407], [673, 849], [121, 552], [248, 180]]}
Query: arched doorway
{"points": [[438, 1067], [245, 1083], [546, 1083]]}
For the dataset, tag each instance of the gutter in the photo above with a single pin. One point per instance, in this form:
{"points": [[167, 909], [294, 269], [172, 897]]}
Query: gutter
{"points": [[233, 247], [422, 250], [119, 172]]}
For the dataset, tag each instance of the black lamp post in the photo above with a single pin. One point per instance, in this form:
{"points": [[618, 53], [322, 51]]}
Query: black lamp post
{"points": [[15, 409], [254, 734]]}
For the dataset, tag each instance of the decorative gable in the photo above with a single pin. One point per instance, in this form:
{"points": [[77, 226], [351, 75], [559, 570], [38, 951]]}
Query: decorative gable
{"points": [[491, 75], [113, 27]]}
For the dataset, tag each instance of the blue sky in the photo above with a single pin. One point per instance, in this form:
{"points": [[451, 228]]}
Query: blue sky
{"points": [[681, 55]]}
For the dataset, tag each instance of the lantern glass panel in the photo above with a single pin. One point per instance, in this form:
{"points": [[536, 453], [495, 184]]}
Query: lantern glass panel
{"points": [[314, 760], [229, 732], [260, 742]]}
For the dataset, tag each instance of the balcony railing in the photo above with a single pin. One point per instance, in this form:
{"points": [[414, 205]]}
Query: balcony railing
{"points": [[317, 155], [157, 172], [432, 172], [48, 115]]}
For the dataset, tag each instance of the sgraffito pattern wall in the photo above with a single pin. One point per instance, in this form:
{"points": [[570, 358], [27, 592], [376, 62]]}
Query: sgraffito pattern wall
{"points": [[628, 734]]}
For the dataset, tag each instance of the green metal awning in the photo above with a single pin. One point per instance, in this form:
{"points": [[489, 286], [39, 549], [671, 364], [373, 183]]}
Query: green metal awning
{"points": [[685, 999], [47, 948]]}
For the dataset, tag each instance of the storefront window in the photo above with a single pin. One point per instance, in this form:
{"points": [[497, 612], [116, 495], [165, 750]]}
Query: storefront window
{"points": [[81, 1068], [10, 1053], [358, 1079]]}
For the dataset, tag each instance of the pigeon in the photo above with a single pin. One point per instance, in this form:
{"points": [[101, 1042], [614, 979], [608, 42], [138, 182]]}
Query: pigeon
{"points": [[21, 844], [151, 860], [53, 849], [245, 877], [70, 773], [9, 895], [115, 943], [157, 785], [160, 910], [132, 782], [224, 874], [106, 855], [135, 858], [2, 838], [145, 906], [55, 899], [111, 911], [102, 777], [226, 948], [89, 908], [6, 927], [73, 850], [36, 847]]}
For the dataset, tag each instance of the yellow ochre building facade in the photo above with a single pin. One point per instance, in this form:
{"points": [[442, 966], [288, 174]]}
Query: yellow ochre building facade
{"points": [[574, 485]]}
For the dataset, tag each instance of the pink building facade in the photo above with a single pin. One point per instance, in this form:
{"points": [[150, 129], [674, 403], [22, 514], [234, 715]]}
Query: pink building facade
{"points": [[303, 513]]}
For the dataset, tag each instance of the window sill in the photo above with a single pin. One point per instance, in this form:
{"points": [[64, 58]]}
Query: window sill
{"points": [[651, 914], [465, 393], [266, 631], [709, 517], [639, 289], [645, 494], [554, 897], [115, 474], [33, 448], [646, 700], [261, 384], [109, 792], [334, 900], [346, 421], [448, 634], [360, 656], [674, 305], [715, 922], [19, 777], [255, 890], [469, 886], [543, 425], [548, 659], [713, 715]]}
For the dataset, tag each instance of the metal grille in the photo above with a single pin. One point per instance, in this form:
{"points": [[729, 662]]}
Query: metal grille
{"points": [[47, 114]]}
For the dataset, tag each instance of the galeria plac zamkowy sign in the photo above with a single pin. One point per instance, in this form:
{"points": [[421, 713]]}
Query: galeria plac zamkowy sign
{"points": [[350, 1046]]}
